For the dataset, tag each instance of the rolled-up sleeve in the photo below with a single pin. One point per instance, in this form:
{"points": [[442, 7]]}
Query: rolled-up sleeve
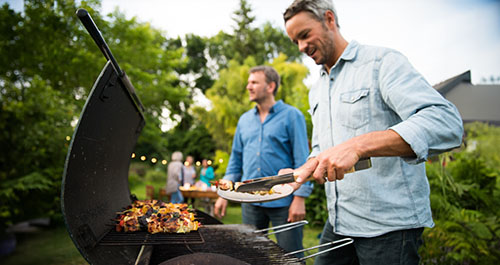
{"points": [[430, 123]]}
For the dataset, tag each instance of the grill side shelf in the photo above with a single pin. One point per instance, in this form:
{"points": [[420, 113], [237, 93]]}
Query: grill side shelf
{"points": [[113, 238]]}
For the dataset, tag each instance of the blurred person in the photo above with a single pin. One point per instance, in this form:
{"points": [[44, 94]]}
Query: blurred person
{"points": [[206, 172], [174, 178], [369, 102], [270, 136], [189, 171]]}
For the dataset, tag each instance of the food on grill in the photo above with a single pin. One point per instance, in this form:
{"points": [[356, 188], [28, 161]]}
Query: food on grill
{"points": [[228, 185], [156, 216]]}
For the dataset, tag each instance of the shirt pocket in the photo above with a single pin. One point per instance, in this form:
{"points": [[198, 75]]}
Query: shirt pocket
{"points": [[354, 109]]}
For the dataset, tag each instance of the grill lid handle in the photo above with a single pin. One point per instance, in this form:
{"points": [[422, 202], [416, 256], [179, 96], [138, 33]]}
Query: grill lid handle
{"points": [[89, 24]]}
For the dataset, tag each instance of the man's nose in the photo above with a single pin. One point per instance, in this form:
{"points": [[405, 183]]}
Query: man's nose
{"points": [[302, 46]]}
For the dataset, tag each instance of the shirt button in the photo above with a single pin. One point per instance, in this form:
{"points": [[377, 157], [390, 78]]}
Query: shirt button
{"points": [[258, 153], [258, 169]]}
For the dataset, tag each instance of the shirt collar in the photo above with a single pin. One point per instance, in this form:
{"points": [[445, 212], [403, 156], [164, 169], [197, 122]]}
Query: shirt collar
{"points": [[349, 53], [275, 108]]}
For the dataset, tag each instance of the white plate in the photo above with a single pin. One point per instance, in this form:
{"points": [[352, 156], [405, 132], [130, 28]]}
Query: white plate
{"points": [[280, 191]]}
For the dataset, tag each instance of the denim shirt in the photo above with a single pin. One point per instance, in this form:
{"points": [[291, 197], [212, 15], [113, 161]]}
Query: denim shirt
{"points": [[262, 149], [375, 89]]}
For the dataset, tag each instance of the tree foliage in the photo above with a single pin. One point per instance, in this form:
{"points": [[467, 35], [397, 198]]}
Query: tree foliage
{"points": [[42, 69], [263, 43], [47, 68]]}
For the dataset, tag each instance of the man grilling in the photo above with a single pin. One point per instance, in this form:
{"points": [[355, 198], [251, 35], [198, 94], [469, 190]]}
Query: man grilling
{"points": [[269, 137], [370, 102]]}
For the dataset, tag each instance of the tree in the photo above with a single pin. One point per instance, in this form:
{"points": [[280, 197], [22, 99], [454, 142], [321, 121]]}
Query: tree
{"points": [[48, 64], [43, 69], [263, 44]]}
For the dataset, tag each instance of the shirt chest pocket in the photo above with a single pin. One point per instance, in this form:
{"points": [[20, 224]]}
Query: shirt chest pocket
{"points": [[354, 108]]}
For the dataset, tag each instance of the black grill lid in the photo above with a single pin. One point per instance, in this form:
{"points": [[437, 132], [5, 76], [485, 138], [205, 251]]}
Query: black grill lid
{"points": [[95, 179]]}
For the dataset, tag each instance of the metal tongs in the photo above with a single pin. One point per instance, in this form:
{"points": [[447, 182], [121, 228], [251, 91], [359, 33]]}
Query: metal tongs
{"points": [[281, 228], [266, 183], [347, 241]]}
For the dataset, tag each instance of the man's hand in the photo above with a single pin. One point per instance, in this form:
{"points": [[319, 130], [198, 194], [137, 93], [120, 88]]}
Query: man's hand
{"points": [[297, 210], [335, 161], [294, 185], [307, 170], [329, 165], [220, 207]]}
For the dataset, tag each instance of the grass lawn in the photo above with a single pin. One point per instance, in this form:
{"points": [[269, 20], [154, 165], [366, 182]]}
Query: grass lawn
{"points": [[54, 246], [51, 246]]}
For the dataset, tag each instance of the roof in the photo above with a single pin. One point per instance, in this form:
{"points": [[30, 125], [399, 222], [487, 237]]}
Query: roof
{"points": [[474, 102]]}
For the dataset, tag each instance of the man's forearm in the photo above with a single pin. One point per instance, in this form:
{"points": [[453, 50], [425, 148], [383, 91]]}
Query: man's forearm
{"points": [[381, 143]]}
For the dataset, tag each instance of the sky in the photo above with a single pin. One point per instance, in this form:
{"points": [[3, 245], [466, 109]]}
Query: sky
{"points": [[441, 38]]}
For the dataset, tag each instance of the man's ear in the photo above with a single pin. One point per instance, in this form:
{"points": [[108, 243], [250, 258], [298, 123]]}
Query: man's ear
{"points": [[271, 87], [330, 19]]}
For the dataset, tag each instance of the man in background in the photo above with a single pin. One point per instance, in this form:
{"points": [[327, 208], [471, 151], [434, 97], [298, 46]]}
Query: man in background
{"points": [[269, 137]]}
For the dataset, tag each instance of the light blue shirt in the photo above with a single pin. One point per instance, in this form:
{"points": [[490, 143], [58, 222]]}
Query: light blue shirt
{"points": [[262, 149], [375, 89]]}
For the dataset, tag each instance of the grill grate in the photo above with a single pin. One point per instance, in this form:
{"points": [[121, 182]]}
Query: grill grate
{"points": [[113, 238]]}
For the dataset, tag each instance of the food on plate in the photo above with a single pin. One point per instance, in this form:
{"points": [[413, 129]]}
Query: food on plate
{"points": [[228, 185], [224, 184], [237, 184], [156, 216]]}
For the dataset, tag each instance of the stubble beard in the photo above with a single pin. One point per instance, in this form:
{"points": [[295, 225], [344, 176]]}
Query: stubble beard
{"points": [[327, 48]]}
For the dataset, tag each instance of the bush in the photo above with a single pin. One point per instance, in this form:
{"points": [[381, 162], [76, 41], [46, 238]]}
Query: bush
{"points": [[155, 175], [134, 180], [138, 168], [465, 195]]}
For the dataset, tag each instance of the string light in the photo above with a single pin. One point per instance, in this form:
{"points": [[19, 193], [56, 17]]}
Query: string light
{"points": [[68, 138], [155, 160]]}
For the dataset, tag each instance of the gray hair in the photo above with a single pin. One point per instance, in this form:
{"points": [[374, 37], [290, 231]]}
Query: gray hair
{"points": [[316, 8], [270, 73], [177, 156]]}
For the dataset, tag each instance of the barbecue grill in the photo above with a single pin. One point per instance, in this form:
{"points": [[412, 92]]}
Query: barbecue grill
{"points": [[95, 187]]}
